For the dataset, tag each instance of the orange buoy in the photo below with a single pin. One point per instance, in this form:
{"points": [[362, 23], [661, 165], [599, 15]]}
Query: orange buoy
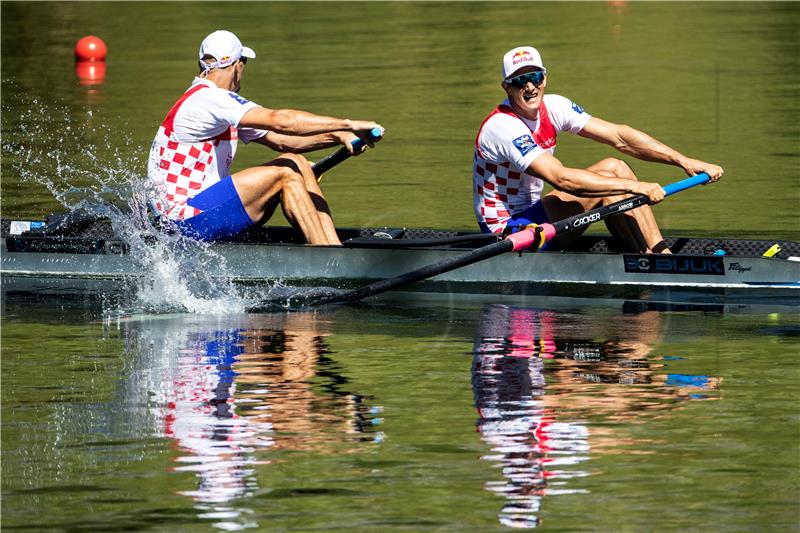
{"points": [[90, 48]]}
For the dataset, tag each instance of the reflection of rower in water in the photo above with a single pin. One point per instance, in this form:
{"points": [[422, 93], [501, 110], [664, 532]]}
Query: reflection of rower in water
{"points": [[508, 386], [534, 444], [200, 416], [243, 391]]}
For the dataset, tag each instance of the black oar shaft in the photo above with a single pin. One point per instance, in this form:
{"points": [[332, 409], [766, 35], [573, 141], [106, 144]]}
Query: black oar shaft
{"points": [[485, 252], [600, 213], [428, 271], [632, 202], [330, 161], [518, 241]]}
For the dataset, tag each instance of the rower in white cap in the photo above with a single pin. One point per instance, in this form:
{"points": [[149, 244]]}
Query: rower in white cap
{"points": [[514, 156], [192, 152]]}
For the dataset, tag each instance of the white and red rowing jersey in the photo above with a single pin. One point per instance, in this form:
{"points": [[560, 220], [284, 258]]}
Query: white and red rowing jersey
{"points": [[505, 147], [196, 144]]}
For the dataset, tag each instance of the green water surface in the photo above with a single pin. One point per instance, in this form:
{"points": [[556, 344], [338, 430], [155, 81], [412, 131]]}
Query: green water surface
{"points": [[376, 417]]}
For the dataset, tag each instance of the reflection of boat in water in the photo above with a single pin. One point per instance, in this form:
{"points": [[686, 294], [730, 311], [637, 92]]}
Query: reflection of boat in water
{"points": [[87, 254], [539, 390]]}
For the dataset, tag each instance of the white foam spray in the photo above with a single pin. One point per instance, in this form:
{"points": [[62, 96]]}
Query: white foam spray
{"points": [[90, 166]]}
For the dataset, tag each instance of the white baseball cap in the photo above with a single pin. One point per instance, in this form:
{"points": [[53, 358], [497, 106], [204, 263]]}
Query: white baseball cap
{"points": [[225, 47], [521, 56]]}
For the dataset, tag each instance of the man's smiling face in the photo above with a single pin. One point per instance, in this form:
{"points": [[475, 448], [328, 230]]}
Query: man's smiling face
{"points": [[525, 90]]}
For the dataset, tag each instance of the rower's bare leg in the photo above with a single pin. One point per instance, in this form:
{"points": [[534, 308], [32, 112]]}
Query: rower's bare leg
{"points": [[258, 187], [560, 205], [320, 203], [637, 228]]}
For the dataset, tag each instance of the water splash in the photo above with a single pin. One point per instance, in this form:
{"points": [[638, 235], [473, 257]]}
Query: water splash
{"points": [[90, 166]]}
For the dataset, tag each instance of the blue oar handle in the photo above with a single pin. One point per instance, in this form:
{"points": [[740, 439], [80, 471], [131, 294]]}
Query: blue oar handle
{"points": [[374, 135], [682, 185], [330, 161]]}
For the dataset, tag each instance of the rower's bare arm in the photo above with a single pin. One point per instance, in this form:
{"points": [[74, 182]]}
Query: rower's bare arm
{"points": [[299, 144], [642, 146], [588, 184], [295, 122]]}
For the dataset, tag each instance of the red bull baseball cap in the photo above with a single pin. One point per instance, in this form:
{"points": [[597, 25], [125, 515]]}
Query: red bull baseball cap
{"points": [[225, 47], [521, 56]]}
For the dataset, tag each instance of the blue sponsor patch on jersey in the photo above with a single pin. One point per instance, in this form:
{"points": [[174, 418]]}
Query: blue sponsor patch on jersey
{"points": [[238, 98], [524, 144], [578, 109]]}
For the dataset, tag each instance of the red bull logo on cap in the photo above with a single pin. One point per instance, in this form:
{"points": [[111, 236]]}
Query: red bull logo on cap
{"points": [[519, 57]]}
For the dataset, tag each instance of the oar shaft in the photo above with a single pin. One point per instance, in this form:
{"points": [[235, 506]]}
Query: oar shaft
{"points": [[518, 241], [637, 200], [600, 213], [330, 161], [428, 271]]}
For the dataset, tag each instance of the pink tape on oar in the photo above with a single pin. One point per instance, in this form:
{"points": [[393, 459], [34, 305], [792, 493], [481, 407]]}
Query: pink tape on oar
{"points": [[549, 232], [522, 239], [531, 238]]}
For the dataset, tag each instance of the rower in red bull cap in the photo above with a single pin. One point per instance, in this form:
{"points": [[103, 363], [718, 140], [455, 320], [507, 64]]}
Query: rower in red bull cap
{"points": [[514, 157], [194, 148]]}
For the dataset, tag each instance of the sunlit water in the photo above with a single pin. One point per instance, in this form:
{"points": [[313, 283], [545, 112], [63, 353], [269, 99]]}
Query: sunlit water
{"points": [[402, 415]]}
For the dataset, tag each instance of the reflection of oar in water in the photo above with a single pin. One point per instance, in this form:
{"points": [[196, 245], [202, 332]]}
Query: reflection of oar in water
{"points": [[330, 161], [530, 238]]}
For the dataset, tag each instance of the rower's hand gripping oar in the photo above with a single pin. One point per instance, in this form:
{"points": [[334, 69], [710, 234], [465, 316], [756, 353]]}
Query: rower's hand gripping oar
{"points": [[532, 237], [637, 200], [330, 161]]}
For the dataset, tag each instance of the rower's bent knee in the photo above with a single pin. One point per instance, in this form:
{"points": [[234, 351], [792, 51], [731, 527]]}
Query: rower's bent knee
{"points": [[615, 167], [298, 161], [294, 182], [285, 169]]}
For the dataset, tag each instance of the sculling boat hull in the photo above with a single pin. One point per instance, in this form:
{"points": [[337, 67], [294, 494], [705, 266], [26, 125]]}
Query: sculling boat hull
{"points": [[36, 261]]}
